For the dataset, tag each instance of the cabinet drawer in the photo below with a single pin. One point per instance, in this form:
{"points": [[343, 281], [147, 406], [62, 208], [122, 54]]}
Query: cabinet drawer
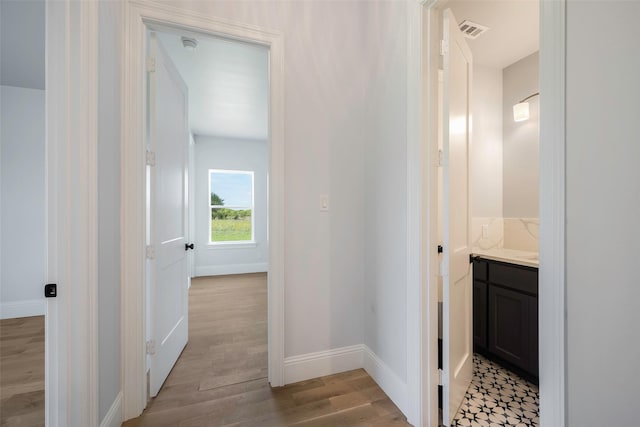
{"points": [[516, 278]]}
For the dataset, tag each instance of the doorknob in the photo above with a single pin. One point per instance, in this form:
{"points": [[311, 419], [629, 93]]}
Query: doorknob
{"points": [[188, 246]]}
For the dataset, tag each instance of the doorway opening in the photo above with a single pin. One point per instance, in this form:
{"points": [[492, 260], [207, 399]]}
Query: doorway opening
{"points": [[488, 320], [146, 23], [207, 179]]}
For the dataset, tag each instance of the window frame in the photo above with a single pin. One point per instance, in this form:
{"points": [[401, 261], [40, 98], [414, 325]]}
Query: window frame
{"points": [[252, 208]]}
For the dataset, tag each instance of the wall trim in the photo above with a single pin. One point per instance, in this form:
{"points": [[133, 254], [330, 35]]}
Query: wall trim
{"points": [[417, 211], [388, 380], [16, 309], [552, 241], [342, 359], [322, 363], [138, 16], [219, 270], [113, 417], [71, 322]]}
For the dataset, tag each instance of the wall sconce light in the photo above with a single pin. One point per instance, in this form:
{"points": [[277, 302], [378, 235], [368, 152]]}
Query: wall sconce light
{"points": [[521, 109]]}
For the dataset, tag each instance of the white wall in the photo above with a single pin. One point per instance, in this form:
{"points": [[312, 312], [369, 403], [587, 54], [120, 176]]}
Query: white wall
{"points": [[23, 247], [385, 185], [603, 208], [109, 207], [231, 154], [325, 77], [486, 139], [521, 140]]}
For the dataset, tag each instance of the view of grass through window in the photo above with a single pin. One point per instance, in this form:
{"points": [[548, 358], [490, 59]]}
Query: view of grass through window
{"points": [[231, 205]]}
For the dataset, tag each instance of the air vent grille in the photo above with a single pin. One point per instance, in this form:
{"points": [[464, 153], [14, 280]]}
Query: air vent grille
{"points": [[471, 30]]}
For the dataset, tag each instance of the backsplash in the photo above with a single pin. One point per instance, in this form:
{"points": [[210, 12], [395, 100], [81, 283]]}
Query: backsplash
{"points": [[495, 235], [506, 233], [521, 233]]}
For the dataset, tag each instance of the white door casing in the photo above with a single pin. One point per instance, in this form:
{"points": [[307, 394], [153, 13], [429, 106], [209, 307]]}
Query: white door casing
{"points": [[138, 18], [168, 260], [457, 284]]}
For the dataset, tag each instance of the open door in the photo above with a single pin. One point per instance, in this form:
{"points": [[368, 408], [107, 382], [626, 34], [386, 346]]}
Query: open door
{"points": [[168, 195], [457, 294]]}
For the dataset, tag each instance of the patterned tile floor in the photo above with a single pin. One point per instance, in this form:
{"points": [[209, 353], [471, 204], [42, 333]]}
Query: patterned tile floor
{"points": [[497, 397]]}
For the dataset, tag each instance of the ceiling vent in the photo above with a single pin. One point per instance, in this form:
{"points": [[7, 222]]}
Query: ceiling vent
{"points": [[471, 30]]}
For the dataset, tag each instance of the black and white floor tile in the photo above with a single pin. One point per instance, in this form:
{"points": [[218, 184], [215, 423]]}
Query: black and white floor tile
{"points": [[498, 397]]}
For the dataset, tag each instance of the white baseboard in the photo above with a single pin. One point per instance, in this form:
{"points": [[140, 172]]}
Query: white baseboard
{"points": [[113, 418], [314, 365], [219, 270], [388, 381], [12, 310]]}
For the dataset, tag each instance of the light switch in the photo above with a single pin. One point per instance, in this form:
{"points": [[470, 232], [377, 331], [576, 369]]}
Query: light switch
{"points": [[324, 202], [485, 231]]}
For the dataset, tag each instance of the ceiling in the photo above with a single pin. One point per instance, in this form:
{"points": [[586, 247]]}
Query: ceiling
{"points": [[22, 43], [228, 85], [514, 32]]}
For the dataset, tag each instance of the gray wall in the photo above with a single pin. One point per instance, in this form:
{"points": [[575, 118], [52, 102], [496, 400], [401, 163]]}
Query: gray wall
{"points": [[227, 153], [109, 205], [603, 209], [385, 188], [22, 179], [22, 43], [520, 140]]}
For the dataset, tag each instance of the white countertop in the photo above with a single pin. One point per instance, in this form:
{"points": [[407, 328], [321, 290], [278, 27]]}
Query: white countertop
{"points": [[513, 256]]}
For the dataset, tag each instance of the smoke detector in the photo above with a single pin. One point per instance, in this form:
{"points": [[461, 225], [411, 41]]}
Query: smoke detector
{"points": [[471, 30], [189, 43]]}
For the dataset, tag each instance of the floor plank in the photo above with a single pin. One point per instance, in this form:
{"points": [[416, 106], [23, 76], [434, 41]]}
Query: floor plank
{"points": [[220, 379], [22, 372]]}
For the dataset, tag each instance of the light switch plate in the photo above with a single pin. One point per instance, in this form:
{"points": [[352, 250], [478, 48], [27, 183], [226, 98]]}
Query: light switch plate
{"points": [[324, 202], [485, 231]]}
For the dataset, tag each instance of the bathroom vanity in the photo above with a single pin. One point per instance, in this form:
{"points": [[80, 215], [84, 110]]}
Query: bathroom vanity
{"points": [[505, 310]]}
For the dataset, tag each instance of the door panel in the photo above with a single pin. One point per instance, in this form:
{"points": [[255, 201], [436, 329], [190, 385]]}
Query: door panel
{"points": [[457, 283], [169, 140]]}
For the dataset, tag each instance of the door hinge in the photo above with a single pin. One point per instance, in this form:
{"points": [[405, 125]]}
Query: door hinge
{"points": [[440, 377], [440, 158], [151, 158], [151, 347], [151, 65], [444, 47], [151, 252]]}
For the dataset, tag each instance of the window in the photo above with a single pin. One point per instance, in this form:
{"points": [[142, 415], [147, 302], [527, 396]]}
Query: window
{"points": [[230, 206]]}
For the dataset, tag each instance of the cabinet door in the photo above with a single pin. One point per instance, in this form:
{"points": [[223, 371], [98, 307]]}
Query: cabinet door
{"points": [[509, 326], [533, 335], [480, 314]]}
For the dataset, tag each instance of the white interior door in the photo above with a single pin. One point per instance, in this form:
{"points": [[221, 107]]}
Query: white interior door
{"points": [[457, 284], [168, 265]]}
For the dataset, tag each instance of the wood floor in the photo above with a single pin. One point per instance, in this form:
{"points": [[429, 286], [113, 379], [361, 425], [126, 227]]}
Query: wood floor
{"points": [[220, 379], [22, 371]]}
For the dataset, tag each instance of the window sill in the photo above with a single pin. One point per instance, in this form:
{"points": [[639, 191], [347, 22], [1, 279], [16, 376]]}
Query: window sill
{"points": [[231, 245]]}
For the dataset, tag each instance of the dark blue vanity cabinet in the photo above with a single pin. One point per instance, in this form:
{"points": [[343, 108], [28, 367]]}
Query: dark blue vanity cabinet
{"points": [[505, 314]]}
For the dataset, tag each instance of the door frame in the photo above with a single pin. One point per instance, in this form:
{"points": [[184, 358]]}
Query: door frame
{"points": [[137, 17], [71, 319], [422, 164]]}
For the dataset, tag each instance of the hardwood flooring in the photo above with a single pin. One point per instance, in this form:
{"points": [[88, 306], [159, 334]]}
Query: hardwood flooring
{"points": [[220, 378], [22, 371]]}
